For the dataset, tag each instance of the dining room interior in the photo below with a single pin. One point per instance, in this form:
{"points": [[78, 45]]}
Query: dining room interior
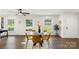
{"points": [[39, 28]]}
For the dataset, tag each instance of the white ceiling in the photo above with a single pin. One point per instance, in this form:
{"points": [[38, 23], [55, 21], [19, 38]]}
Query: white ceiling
{"points": [[38, 11]]}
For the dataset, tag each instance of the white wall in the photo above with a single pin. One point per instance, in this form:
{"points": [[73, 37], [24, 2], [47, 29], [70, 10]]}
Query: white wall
{"points": [[78, 28], [20, 23], [78, 25], [0, 23], [69, 26]]}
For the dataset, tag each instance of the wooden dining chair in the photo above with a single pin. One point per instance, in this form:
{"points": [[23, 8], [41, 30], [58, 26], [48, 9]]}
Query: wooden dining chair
{"points": [[36, 39], [26, 37], [46, 37]]}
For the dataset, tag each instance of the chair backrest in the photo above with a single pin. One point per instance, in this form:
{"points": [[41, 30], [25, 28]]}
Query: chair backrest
{"points": [[36, 38], [26, 36], [46, 37], [49, 36]]}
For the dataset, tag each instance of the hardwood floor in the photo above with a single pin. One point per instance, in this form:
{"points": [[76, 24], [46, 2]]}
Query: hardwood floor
{"points": [[18, 42]]}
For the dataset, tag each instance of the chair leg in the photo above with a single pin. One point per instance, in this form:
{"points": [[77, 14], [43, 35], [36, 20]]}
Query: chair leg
{"points": [[26, 44], [39, 45], [33, 45], [48, 44]]}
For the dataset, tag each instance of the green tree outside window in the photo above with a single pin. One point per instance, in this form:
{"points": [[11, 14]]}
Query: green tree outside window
{"points": [[48, 26], [10, 24], [28, 23]]}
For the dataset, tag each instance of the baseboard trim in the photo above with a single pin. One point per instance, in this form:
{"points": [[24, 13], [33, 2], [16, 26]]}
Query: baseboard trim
{"points": [[67, 38]]}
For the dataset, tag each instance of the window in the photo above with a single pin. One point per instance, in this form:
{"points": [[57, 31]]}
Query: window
{"points": [[11, 24], [47, 22], [29, 24], [2, 22], [48, 25]]}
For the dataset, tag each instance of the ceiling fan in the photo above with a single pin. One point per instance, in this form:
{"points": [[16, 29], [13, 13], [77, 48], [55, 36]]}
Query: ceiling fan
{"points": [[20, 12]]}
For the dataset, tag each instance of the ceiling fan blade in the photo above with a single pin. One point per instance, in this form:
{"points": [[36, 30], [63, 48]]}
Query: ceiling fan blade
{"points": [[25, 13]]}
